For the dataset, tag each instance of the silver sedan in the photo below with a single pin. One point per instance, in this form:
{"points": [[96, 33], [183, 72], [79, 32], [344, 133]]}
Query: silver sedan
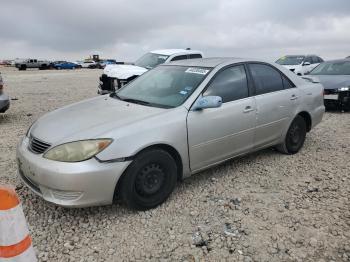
{"points": [[169, 123]]}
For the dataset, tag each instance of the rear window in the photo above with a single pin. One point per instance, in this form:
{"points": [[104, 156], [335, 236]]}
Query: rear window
{"points": [[179, 57], [193, 56], [266, 78]]}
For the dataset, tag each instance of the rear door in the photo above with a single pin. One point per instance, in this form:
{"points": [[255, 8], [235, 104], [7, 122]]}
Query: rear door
{"points": [[30, 63], [276, 98], [216, 134]]}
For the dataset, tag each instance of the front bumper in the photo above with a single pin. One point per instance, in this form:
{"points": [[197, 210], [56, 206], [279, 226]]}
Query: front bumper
{"points": [[81, 184], [335, 98], [106, 85], [4, 103], [111, 84]]}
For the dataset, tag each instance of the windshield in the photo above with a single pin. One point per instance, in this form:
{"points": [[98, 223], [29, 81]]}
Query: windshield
{"points": [[290, 60], [332, 68], [164, 86], [151, 60]]}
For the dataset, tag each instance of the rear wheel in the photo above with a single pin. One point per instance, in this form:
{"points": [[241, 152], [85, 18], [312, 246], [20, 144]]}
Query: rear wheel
{"points": [[295, 137], [22, 67], [149, 180]]}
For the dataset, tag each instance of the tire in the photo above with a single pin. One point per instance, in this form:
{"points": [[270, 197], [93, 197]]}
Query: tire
{"points": [[295, 137], [149, 180], [22, 67]]}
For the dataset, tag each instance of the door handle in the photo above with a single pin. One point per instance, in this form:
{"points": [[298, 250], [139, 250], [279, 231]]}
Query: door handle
{"points": [[293, 97], [248, 109]]}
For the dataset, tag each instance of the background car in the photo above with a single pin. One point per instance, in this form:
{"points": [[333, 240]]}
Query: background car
{"points": [[4, 99], [116, 76], [335, 78], [64, 65], [300, 64], [171, 122], [89, 64], [102, 64]]}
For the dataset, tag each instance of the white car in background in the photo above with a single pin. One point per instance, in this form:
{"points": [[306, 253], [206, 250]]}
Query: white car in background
{"points": [[116, 76], [86, 64], [300, 64]]}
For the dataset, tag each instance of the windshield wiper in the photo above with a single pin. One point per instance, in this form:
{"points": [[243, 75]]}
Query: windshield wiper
{"points": [[115, 95], [140, 102], [136, 101]]}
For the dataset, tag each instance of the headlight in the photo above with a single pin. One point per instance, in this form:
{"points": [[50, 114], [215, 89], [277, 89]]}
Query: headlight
{"points": [[77, 151], [344, 88]]}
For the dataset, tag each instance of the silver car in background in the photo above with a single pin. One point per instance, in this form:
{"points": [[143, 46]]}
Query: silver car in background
{"points": [[4, 99], [171, 122]]}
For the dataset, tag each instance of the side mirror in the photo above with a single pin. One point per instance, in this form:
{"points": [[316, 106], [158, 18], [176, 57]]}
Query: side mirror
{"points": [[306, 64], [207, 102]]}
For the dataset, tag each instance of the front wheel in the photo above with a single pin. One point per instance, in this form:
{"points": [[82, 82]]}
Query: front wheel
{"points": [[149, 180], [295, 137]]}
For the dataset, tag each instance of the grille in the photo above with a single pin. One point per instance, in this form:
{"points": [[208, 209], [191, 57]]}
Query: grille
{"points": [[37, 146], [65, 195], [330, 91], [30, 183], [107, 83]]}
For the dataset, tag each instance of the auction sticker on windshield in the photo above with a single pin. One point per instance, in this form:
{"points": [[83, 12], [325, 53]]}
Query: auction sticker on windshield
{"points": [[195, 70]]}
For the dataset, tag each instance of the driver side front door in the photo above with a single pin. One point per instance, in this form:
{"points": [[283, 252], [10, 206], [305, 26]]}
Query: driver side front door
{"points": [[217, 134]]}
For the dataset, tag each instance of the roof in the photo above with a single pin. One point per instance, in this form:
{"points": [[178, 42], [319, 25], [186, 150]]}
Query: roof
{"points": [[175, 51], [338, 60], [209, 62]]}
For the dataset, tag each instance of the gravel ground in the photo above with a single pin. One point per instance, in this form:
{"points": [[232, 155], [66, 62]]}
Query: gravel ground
{"points": [[261, 207]]}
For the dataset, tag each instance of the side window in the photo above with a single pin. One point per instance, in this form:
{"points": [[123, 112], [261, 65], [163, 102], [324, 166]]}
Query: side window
{"points": [[194, 56], [308, 59], [180, 57], [287, 83], [266, 78], [314, 60], [230, 84], [35, 61]]}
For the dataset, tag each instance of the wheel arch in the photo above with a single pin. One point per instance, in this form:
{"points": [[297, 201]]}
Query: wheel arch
{"points": [[169, 149], [307, 117]]}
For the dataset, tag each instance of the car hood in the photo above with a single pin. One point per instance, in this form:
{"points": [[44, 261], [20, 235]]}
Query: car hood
{"points": [[93, 118], [332, 81], [123, 71]]}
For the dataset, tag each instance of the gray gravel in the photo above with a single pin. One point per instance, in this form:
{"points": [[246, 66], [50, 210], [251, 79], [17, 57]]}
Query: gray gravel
{"points": [[262, 207]]}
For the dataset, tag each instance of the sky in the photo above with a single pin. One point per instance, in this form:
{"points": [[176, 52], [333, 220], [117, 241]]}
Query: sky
{"points": [[126, 29]]}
